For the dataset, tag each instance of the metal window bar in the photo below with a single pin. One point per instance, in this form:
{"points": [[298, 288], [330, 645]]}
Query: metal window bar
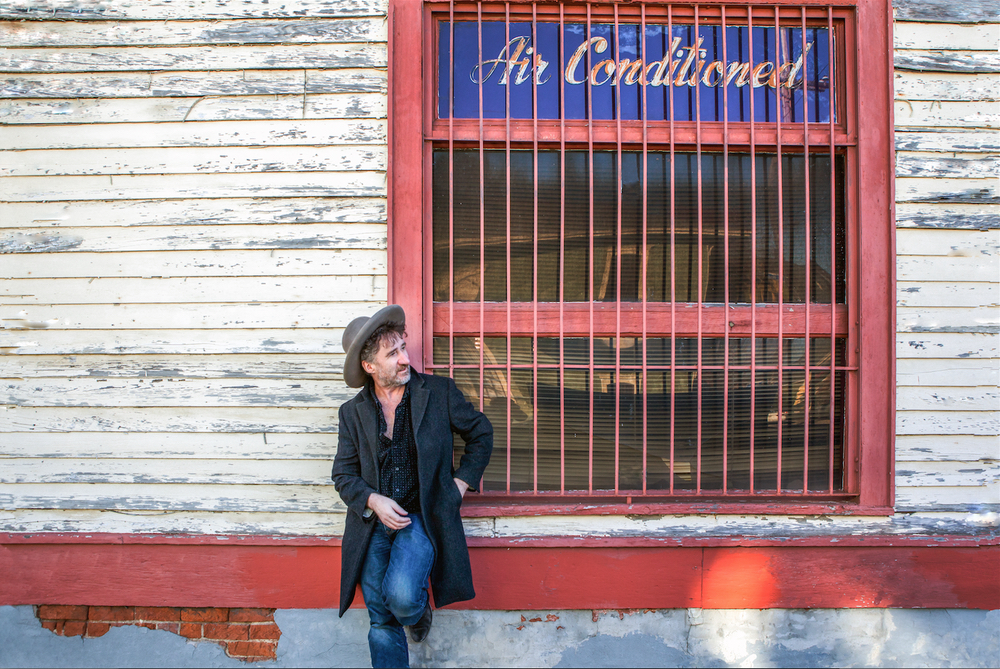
{"points": [[840, 332]]}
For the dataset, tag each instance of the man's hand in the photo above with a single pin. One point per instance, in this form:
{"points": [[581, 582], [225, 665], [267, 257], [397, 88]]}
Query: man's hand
{"points": [[462, 487], [391, 514]]}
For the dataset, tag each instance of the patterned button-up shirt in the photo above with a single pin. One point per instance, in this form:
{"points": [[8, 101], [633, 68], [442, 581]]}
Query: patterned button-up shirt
{"points": [[398, 478]]}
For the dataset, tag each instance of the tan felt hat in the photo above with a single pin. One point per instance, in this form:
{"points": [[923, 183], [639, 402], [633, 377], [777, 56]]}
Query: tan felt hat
{"points": [[355, 336]]}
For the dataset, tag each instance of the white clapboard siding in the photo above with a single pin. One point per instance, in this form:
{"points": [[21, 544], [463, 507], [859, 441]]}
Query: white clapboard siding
{"points": [[310, 321], [276, 263], [141, 341], [332, 237], [930, 189], [169, 445], [962, 266], [932, 164], [956, 319], [193, 84], [949, 372], [927, 114], [223, 496], [65, 34], [265, 419], [156, 470], [941, 216], [966, 86], [912, 35], [170, 392], [947, 294], [965, 61], [970, 141], [937, 474], [219, 108], [213, 289], [970, 243], [944, 398], [178, 160], [302, 133], [978, 504], [174, 10], [948, 422], [186, 58], [933, 448], [192, 211], [146, 186], [302, 366]]}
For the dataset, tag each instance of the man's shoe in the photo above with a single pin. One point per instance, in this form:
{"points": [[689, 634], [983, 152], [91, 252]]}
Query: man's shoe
{"points": [[419, 629]]}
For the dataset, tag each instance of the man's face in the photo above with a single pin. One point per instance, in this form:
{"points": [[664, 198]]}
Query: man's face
{"points": [[391, 366]]}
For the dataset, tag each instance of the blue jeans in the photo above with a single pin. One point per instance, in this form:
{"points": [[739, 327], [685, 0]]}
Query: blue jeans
{"points": [[394, 585]]}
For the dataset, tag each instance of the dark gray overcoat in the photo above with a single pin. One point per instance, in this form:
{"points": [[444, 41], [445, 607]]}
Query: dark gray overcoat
{"points": [[437, 409]]}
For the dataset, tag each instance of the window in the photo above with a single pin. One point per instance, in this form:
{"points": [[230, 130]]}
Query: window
{"points": [[641, 244]]}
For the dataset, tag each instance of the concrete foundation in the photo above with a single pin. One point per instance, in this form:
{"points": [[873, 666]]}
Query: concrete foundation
{"points": [[664, 638]]}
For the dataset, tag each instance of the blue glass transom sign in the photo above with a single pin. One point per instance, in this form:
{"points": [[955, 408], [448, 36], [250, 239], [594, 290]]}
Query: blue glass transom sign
{"points": [[682, 69]]}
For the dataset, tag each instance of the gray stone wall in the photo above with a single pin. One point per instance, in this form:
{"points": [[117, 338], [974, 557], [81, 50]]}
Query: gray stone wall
{"points": [[660, 638]]}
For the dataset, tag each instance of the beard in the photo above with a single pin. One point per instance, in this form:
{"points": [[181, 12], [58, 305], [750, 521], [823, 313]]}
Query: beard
{"points": [[390, 378]]}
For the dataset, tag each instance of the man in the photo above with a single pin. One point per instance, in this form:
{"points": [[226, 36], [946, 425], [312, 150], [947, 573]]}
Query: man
{"points": [[395, 472]]}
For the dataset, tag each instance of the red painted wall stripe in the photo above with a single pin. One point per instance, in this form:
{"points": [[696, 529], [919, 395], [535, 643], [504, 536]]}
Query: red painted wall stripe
{"points": [[514, 577]]}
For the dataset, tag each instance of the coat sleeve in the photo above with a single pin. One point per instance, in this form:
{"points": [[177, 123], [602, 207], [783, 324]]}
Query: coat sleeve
{"points": [[353, 489], [477, 432]]}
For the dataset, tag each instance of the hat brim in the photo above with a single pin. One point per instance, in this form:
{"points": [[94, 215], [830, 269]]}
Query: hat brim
{"points": [[354, 375]]}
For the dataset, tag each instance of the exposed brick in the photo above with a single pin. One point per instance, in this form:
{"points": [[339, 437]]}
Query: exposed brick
{"points": [[112, 614], [251, 615], [265, 631], [157, 613], [228, 631], [97, 629], [205, 615], [149, 626], [74, 628], [50, 624], [62, 612], [254, 649], [191, 630], [170, 627]]}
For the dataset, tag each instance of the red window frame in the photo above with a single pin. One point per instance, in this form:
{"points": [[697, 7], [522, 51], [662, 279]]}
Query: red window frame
{"points": [[870, 312]]}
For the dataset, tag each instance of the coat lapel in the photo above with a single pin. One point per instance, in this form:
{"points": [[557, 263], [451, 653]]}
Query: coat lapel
{"points": [[419, 396], [369, 426]]}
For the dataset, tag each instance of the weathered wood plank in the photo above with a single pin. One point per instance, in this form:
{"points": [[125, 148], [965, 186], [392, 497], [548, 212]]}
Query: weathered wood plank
{"points": [[42, 324], [948, 422], [170, 419], [981, 141], [947, 216], [946, 86], [962, 61], [158, 470], [172, 497], [947, 449], [946, 11], [949, 36], [976, 503], [196, 160], [931, 114], [930, 398], [165, 291], [941, 474], [66, 34], [172, 10], [167, 445], [262, 263], [302, 133], [180, 186], [289, 367], [116, 392], [174, 522], [221, 108], [258, 212], [958, 165], [970, 191], [335, 236], [945, 319], [191, 58], [971, 267], [947, 294], [932, 345], [952, 372], [966, 243], [192, 84]]}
